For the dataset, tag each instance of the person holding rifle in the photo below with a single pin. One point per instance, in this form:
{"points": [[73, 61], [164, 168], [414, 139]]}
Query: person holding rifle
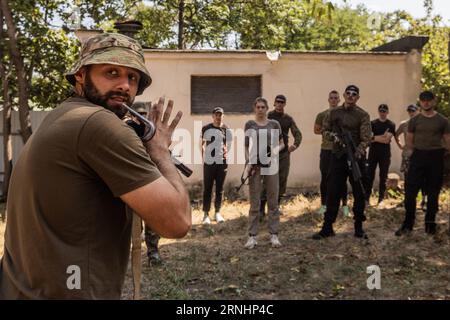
{"points": [[351, 122], [326, 149], [68, 231], [263, 142], [287, 124]]}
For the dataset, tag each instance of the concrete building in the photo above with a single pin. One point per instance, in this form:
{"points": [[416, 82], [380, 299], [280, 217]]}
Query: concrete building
{"points": [[200, 80]]}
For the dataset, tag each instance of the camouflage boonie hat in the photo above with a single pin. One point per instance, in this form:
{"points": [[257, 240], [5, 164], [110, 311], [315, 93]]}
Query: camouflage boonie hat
{"points": [[112, 48]]}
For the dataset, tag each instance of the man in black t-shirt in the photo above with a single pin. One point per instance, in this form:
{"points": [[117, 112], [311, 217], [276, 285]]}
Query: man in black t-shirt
{"points": [[216, 140], [383, 130]]}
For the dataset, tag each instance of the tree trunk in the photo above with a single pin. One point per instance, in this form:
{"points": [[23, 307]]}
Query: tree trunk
{"points": [[7, 146], [17, 59], [181, 24]]}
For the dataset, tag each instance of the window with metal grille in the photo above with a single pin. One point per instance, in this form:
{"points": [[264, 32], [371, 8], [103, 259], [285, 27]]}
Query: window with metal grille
{"points": [[235, 94]]}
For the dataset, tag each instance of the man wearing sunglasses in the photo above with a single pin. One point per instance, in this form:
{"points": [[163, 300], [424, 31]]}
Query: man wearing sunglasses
{"points": [[325, 156], [287, 123], [383, 130], [350, 117], [428, 133]]}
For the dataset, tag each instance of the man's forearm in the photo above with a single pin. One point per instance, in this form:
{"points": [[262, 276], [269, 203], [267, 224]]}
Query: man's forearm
{"points": [[163, 161]]}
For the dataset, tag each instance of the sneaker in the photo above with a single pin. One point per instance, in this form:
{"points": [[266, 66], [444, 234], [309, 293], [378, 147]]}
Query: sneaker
{"points": [[251, 242], [275, 241], [403, 231], [322, 210], [219, 217], [206, 220], [346, 211]]}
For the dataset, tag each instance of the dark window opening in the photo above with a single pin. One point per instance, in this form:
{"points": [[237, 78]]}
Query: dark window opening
{"points": [[235, 94]]}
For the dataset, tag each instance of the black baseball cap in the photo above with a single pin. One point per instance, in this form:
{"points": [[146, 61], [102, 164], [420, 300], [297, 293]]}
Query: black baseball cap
{"points": [[140, 107], [352, 87], [412, 108], [218, 109], [383, 107], [426, 96], [281, 97]]}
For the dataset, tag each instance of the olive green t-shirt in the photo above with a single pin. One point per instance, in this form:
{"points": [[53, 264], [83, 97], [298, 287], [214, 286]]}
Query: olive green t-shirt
{"points": [[428, 132], [326, 143], [68, 233]]}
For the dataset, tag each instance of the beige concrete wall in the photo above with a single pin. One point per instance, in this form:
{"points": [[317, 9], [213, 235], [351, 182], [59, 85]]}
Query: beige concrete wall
{"points": [[305, 78]]}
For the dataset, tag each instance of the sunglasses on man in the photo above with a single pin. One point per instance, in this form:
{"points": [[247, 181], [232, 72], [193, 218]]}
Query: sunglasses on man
{"points": [[351, 93], [280, 101]]}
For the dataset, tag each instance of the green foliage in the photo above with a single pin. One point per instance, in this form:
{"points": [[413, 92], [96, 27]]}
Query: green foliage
{"points": [[47, 51], [256, 24], [157, 26], [56, 53]]}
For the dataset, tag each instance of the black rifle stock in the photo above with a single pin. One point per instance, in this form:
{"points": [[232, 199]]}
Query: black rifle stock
{"points": [[347, 142]]}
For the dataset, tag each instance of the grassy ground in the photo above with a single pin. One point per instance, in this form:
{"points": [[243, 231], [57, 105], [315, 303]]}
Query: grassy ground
{"points": [[211, 262]]}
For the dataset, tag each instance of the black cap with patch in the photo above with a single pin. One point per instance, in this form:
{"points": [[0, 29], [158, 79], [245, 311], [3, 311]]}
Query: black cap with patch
{"points": [[280, 97], [352, 87], [383, 107], [218, 109], [412, 108]]}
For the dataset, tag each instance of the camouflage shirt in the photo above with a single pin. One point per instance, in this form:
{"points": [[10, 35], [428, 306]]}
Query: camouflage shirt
{"points": [[286, 123], [353, 119]]}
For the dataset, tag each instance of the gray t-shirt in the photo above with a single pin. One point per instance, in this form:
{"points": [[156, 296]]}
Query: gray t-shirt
{"points": [[261, 139]]}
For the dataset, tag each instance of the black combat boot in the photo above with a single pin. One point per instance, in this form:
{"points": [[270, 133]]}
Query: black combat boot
{"points": [[325, 232], [404, 230], [359, 231], [430, 228]]}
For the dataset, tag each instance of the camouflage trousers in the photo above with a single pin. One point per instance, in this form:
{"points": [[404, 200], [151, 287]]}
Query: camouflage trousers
{"points": [[405, 165], [151, 240]]}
